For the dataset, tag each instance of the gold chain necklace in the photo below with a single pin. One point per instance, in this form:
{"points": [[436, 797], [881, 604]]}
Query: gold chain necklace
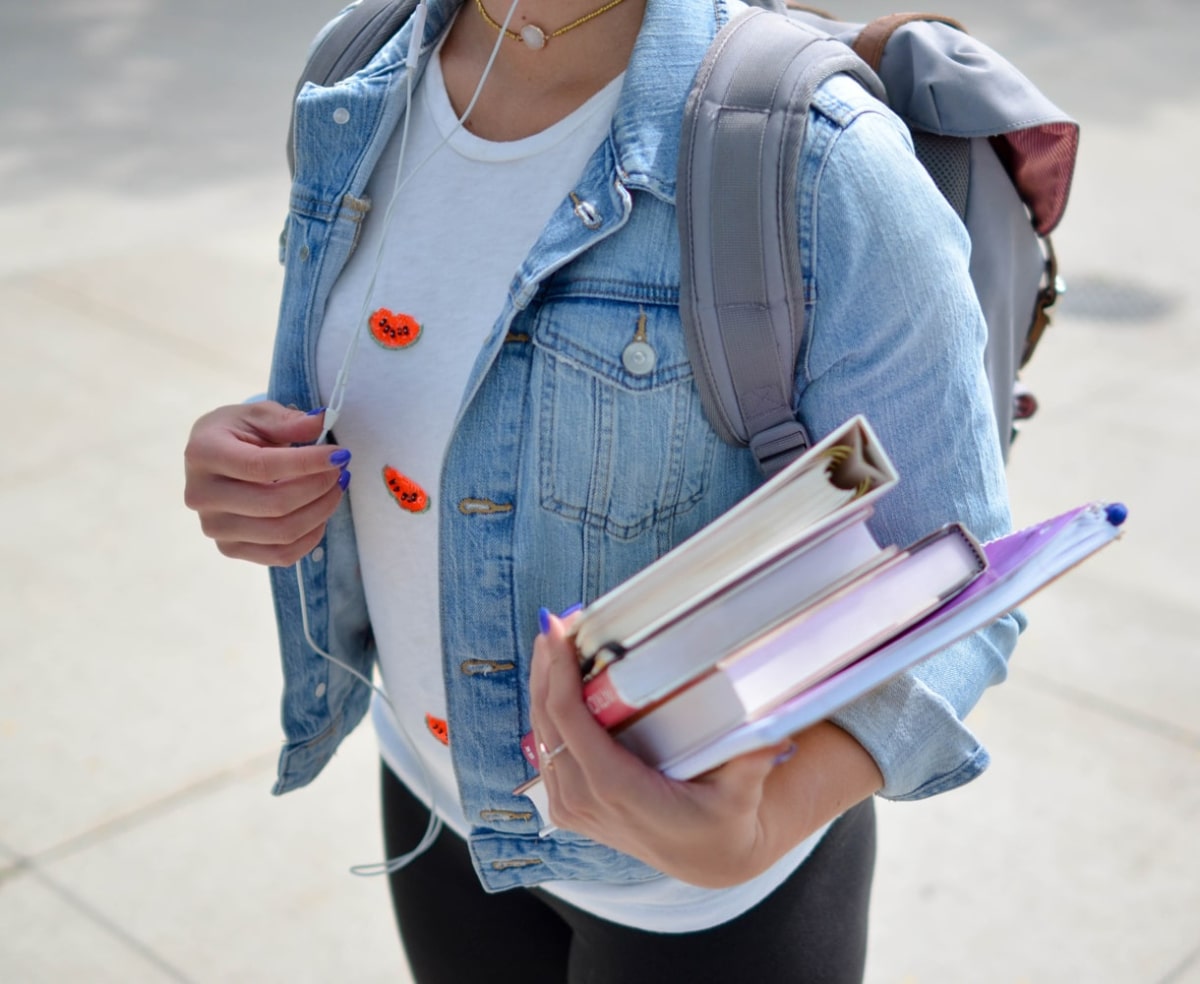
{"points": [[532, 36]]}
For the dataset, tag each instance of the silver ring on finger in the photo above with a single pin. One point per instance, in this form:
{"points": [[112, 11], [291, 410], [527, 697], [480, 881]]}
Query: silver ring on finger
{"points": [[546, 756]]}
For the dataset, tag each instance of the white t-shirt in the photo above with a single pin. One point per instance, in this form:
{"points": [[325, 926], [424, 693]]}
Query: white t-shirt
{"points": [[466, 214]]}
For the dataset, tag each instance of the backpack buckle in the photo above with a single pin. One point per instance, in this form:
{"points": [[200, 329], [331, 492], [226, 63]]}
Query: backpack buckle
{"points": [[779, 445]]}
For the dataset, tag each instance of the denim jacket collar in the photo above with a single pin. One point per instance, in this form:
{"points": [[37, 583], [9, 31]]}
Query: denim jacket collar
{"points": [[647, 123]]}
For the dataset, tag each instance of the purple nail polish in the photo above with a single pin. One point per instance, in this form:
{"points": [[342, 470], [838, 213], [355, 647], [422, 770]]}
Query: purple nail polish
{"points": [[568, 612], [317, 412], [786, 754], [544, 619], [344, 479], [339, 457]]}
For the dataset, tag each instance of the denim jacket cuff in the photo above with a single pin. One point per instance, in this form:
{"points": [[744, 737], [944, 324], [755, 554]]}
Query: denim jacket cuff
{"points": [[921, 746]]}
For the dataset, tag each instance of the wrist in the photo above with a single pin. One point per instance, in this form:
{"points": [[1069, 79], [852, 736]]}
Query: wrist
{"points": [[828, 773]]}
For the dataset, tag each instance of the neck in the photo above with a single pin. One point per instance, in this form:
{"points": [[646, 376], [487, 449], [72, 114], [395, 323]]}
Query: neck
{"points": [[528, 90]]}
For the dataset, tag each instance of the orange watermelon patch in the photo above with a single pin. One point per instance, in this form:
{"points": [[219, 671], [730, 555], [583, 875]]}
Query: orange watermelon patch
{"points": [[438, 728], [407, 493], [392, 330]]}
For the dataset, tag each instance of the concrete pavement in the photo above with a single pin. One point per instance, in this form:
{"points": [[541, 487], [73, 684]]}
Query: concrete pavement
{"points": [[142, 192]]}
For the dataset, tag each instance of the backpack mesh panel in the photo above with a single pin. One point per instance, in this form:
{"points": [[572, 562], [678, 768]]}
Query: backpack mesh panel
{"points": [[948, 161]]}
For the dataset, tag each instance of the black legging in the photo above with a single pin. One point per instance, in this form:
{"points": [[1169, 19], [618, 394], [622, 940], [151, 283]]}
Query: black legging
{"points": [[811, 929]]}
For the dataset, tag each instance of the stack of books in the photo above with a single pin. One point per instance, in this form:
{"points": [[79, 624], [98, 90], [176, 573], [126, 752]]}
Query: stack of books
{"points": [[786, 608]]}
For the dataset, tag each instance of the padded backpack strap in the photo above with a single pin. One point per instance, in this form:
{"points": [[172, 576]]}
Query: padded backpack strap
{"points": [[351, 41], [741, 299]]}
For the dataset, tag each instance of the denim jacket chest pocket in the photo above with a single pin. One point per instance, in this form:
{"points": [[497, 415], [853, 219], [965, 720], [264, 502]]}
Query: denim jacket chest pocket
{"points": [[624, 445]]}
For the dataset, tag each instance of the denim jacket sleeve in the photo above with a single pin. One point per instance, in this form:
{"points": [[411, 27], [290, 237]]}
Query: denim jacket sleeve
{"points": [[895, 332]]}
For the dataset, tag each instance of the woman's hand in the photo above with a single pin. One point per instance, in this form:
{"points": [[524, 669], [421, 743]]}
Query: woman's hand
{"points": [[708, 831], [259, 497], [719, 829]]}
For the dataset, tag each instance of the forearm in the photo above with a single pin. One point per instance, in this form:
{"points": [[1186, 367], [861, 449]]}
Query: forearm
{"points": [[828, 774]]}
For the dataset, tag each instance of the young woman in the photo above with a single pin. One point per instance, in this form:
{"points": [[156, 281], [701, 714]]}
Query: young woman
{"points": [[471, 289]]}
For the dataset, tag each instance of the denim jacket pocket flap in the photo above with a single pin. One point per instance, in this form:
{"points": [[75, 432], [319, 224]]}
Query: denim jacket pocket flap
{"points": [[624, 445]]}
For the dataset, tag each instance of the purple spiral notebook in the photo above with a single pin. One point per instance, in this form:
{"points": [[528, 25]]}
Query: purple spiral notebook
{"points": [[1019, 565]]}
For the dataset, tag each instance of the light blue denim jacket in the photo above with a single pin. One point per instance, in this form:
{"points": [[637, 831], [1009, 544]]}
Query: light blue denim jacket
{"points": [[566, 473]]}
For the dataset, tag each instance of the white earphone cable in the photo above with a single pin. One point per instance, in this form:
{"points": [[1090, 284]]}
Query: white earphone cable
{"points": [[338, 393], [434, 827]]}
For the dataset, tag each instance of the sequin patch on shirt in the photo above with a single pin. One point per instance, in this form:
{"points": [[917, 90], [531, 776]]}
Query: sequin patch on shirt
{"points": [[438, 728], [407, 493], [393, 330]]}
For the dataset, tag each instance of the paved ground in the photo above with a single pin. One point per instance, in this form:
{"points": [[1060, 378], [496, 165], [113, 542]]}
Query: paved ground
{"points": [[142, 191]]}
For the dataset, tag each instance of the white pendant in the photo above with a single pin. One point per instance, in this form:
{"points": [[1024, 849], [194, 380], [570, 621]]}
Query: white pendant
{"points": [[533, 36]]}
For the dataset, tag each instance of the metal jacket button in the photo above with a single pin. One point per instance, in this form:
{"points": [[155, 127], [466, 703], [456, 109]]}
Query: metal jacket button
{"points": [[639, 358], [588, 214]]}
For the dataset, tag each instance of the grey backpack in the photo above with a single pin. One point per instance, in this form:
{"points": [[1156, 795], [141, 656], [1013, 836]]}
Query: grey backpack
{"points": [[1000, 152]]}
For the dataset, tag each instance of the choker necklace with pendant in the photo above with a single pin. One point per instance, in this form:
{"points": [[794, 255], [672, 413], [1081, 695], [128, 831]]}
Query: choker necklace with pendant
{"points": [[532, 36]]}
